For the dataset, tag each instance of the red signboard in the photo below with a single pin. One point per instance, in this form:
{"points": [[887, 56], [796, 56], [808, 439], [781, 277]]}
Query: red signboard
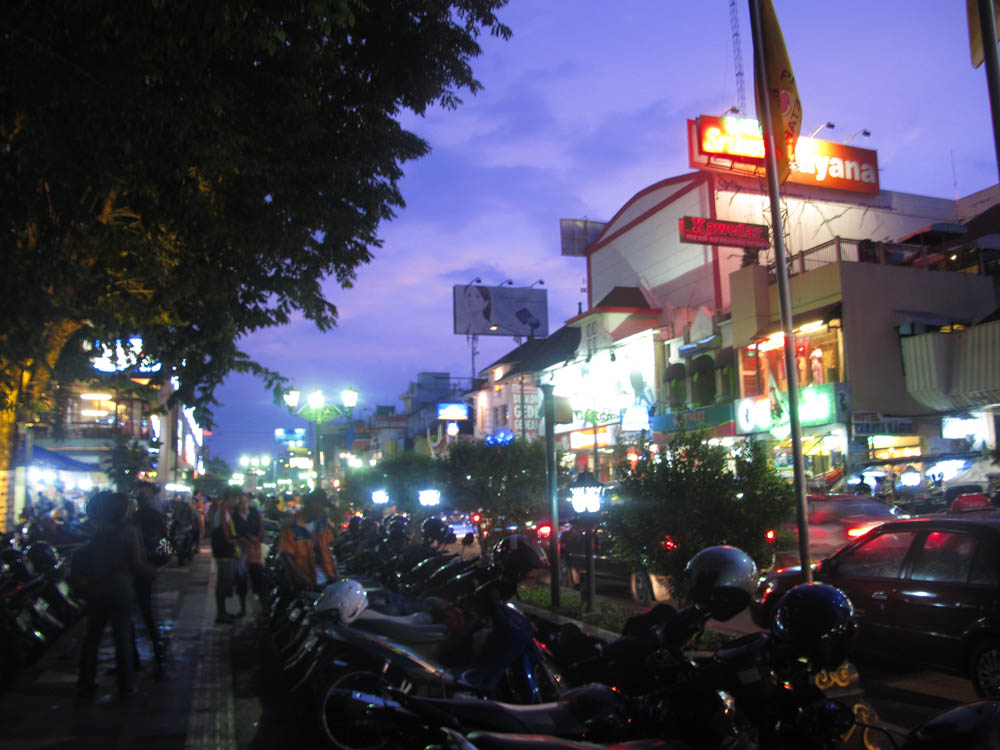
{"points": [[734, 145], [730, 233]]}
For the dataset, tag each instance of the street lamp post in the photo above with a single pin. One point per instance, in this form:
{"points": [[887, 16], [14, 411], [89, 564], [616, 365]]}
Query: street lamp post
{"points": [[586, 501], [318, 411]]}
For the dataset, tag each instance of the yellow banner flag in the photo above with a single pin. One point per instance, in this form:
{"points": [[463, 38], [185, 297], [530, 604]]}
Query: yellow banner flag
{"points": [[786, 107]]}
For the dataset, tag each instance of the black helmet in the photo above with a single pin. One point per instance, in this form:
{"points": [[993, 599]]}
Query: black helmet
{"points": [[723, 580], [517, 555], [368, 526], [396, 537], [434, 530], [354, 523], [396, 521], [818, 620]]}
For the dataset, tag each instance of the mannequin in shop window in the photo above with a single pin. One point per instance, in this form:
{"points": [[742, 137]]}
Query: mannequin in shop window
{"points": [[816, 365]]}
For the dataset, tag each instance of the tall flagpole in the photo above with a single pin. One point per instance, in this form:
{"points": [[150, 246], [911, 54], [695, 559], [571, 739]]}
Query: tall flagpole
{"points": [[784, 297]]}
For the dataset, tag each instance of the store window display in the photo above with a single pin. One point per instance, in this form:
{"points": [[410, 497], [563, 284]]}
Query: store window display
{"points": [[762, 365]]}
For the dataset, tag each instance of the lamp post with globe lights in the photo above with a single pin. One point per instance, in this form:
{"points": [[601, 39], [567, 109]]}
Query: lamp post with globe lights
{"points": [[586, 502], [317, 410]]}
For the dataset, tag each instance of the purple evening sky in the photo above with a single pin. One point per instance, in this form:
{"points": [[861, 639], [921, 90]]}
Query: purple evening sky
{"points": [[582, 108]]}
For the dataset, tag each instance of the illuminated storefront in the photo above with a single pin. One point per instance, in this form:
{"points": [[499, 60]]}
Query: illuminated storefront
{"points": [[817, 359], [824, 414]]}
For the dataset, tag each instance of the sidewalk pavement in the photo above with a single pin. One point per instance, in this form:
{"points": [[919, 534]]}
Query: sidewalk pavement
{"points": [[190, 708]]}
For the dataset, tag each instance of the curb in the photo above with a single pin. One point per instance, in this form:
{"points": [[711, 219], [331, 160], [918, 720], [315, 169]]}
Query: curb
{"points": [[592, 630]]}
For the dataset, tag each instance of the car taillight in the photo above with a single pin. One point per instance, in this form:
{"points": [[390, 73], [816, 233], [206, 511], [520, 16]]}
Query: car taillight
{"points": [[544, 531], [770, 536], [855, 531], [476, 518], [668, 543]]}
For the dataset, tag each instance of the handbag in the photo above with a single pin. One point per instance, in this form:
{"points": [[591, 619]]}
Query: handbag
{"points": [[159, 551]]}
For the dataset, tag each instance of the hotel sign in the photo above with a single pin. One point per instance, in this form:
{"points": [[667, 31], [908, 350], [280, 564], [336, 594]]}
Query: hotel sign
{"points": [[733, 145], [703, 231]]}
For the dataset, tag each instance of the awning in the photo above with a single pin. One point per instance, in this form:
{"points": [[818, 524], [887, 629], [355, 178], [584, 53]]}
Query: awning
{"points": [[826, 313], [54, 460], [953, 371]]}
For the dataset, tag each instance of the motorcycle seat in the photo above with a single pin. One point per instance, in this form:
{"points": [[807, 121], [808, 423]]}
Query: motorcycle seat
{"points": [[415, 628], [541, 718], [499, 741]]}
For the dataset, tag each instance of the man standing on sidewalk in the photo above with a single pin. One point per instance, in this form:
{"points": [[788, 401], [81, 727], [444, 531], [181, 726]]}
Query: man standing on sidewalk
{"points": [[305, 545]]}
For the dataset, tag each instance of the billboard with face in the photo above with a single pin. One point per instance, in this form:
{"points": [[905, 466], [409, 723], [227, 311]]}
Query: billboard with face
{"points": [[500, 311]]}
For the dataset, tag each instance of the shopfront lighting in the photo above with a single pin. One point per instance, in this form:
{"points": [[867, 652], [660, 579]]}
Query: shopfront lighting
{"points": [[94, 412], [380, 497], [96, 396], [429, 498], [910, 477]]}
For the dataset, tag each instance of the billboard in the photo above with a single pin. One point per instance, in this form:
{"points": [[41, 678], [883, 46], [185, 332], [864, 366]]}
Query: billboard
{"points": [[734, 145], [576, 234], [293, 438], [453, 411], [500, 311]]}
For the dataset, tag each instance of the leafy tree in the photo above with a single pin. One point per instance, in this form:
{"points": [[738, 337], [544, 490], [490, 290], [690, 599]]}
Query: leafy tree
{"points": [[693, 497], [126, 461], [192, 172], [505, 483], [215, 478]]}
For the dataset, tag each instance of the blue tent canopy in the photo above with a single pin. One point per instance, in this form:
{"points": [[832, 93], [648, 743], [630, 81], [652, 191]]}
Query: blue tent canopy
{"points": [[54, 460]]}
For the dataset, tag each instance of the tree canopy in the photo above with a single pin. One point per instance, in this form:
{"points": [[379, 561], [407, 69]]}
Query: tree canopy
{"points": [[695, 496], [190, 172]]}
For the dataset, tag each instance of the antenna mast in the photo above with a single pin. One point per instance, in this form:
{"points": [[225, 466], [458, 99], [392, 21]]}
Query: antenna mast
{"points": [[741, 94]]}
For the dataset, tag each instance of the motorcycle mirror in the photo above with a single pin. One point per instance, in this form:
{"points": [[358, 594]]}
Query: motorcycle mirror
{"points": [[468, 539]]}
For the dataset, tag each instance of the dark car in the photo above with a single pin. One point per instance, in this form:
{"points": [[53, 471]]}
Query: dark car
{"points": [[644, 587], [926, 591]]}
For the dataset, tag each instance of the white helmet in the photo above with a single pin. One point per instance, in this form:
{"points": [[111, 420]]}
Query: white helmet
{"points": [[346, 597]]}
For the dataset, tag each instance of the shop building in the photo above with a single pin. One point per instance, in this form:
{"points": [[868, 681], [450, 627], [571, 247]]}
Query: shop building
{"points": [[865, 265]]}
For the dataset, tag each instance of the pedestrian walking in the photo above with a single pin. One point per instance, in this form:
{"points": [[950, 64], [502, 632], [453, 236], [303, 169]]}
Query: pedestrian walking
{"points": [[249, 525], [115, 559], [224, 542], [152, 525]]}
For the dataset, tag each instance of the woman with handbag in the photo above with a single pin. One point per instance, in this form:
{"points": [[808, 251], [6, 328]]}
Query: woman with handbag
{"points": [[249, 525]]}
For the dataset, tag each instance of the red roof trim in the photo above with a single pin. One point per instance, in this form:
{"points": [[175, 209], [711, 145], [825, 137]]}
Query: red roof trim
{"points": [[696, 178]]}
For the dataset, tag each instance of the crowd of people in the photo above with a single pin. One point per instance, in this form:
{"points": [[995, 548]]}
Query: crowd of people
{"points": [[116, 571]]}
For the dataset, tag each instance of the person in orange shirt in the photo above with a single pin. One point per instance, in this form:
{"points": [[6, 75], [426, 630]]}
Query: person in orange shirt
{"points": [[305, 545]]}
